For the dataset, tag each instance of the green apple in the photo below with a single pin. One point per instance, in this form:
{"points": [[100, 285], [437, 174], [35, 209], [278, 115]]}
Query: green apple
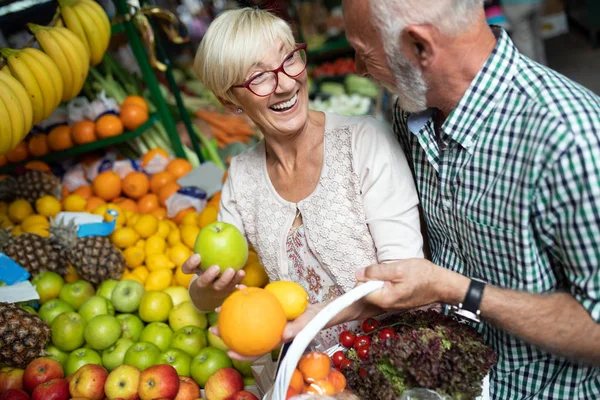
{"points": [[213, 318], [115, 354], [207, 362], [216, 341], [131, 326], [67, 331], [48, 285], [158, 333], [185, 314], [106, 288], [221, 244], [53, 308], [95, 305], [155, 306], [243, 367], [142, 355], [57, 354], [126, 295], [190, 339], [76, 293], [178, 294], [179, 359], [80, 357], [102, 332], [249, 381]]}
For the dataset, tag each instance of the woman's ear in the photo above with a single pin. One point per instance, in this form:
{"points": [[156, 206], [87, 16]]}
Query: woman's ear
{"points": [[229, 106]]}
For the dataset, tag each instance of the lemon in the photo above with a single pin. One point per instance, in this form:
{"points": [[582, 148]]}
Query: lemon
{"points": [[155, 245], [141, 272], [141, 243], [134, 256], [124, 237], [158, 261], [189, 234], [163, 229], [41, 230], [128, 214], [174, 237], [256, 276], [18, 210], [5, 222], [292, 297], [16, 231], [179, 253], [252, 257], [171, 224], [35, 219], [182, 279], [100, 210], [132, 220], [72, 275], [146, 225], [159, 279], [74, 203], [130, 276], [189, 219], [48, 206], [3, 208]]}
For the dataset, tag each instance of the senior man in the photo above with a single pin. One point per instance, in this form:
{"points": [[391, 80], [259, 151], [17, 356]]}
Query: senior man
{"points": [[506, 157]]}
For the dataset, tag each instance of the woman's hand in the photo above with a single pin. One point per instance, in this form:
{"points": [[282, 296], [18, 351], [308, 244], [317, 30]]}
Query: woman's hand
{"points": [[210, 280]]}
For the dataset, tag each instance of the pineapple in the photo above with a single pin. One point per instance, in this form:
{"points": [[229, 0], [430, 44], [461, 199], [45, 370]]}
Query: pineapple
{"points": [[31, 185], [34, 253], [94, 258], [23, 335]]}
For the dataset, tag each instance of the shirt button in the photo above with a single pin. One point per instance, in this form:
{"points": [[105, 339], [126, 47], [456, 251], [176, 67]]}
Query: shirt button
{"points": [[446, 204]]}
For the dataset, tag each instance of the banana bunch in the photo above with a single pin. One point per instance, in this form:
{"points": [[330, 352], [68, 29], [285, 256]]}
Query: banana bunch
{"points": [[88, 20], [40, 77], [16, 112], [68, 52]]}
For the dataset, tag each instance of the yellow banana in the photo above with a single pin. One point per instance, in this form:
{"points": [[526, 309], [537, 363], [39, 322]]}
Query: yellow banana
{"points": [[98, 22], [80, 49], [92, 34], [71, 20], [78, 64], [44, 80], [5, 130], [15, 113], [21, 71], [52, 48], [23, 97], [5, 69], [50, 66], [101, 14]]}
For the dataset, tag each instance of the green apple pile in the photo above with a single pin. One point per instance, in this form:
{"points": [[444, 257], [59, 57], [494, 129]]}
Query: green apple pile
{"points": [[120, 323]]}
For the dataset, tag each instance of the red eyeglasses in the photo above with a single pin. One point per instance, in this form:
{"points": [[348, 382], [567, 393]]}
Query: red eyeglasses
{"points": [[266, 82]]}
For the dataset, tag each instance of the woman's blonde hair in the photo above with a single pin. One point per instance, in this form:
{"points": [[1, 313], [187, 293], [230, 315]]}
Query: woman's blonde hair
{"points": [[233, 43]]}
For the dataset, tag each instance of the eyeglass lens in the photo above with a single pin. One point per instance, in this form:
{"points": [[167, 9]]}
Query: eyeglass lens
{"points": [[266, 83]]}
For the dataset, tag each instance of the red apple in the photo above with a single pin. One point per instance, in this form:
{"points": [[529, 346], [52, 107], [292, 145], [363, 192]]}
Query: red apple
{"points": [[55, 389], [88, 382], [223, 384], [122, 383], [243, 395], [158, 382], [14, 394], [11, 378], [41, 370], [188, 389]]}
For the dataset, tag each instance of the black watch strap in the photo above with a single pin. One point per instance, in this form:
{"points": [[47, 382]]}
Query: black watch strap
{"points": [[469, 308]]}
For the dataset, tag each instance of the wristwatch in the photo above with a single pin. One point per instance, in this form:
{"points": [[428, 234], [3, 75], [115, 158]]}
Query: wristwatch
{"points": [[469, 308]]}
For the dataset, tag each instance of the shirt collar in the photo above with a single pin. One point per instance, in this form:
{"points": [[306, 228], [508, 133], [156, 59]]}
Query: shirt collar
{"points": [[490, 84]]}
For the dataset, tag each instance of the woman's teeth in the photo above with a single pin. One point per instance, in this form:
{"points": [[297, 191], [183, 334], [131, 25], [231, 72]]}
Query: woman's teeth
{"points": [[286, 105]]}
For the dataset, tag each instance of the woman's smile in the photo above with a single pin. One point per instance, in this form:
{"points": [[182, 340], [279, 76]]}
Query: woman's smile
{"points": [[286, 105]]}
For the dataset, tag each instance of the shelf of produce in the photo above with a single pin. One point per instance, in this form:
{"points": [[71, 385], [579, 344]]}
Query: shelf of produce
{"points": [[85, 148], [330, 49]]}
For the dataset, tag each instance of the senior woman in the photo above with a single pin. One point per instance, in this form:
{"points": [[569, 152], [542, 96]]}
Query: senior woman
{"points": [[322, 195]]}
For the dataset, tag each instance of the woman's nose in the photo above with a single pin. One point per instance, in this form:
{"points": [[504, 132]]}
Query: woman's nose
{"points": [[285, 83]]}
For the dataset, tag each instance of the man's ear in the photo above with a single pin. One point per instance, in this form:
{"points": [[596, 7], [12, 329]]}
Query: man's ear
{"points": [[229, 106], [418, 44]]}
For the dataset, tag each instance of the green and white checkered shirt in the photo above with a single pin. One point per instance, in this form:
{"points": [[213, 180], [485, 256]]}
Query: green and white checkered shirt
{"points": [[514, 199]]}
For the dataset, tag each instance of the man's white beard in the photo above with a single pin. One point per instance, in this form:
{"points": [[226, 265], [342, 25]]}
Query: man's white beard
{"points": [[410, 88]]}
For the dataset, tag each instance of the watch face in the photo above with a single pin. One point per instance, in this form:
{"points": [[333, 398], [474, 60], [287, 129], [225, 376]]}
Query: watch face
{"points": [[466, 314]]}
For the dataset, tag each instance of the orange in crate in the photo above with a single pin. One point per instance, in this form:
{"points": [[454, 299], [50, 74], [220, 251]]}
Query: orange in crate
{"points": [[135, 100], [291, 393], [149, 156], [133, 116], [160, 213], [18, 154], [107, 185], [59, 138], [337, 380], [136, 185], [314, 366], [167, 191], [179, 167], [157, 181], [38, 145], [84, 132], [179, 217], [108, 125], [126, 204], [297, 382], [84, 191], [93, 202], [147, 203], [38, 166]]}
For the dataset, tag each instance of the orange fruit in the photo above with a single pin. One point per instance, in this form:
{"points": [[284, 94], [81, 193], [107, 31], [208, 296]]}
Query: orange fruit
{"points": [[314, 366], [148, 203], [84, 191], [126, 204], [179, 167], [167, 191], [146, 158], [84, 132], [337, 380], [323, 387], [251, 322], [297, 382], [65, 193], [215, 201], [2, 160], [59, 138], [133, 116], [159, 180], [207, 216], [108, 125], [135, 100], [38, 145], [291, 393], [38, 165], [160, 213], [136, 184], [94, 202], [18, 154], [107, 185], [177, 219]]}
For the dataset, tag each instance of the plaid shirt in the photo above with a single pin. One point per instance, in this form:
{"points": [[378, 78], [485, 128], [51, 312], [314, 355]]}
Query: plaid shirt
{"points": [[511, 194]]}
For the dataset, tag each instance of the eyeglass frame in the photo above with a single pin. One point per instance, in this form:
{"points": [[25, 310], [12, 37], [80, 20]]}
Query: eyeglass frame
{"points": [[299, 46]]}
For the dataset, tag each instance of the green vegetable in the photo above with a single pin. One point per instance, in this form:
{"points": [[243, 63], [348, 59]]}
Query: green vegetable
{"points": [[358, 85], [332, 88]]}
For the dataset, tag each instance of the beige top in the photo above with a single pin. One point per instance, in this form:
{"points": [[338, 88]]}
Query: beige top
{"points": [[363, 210]]}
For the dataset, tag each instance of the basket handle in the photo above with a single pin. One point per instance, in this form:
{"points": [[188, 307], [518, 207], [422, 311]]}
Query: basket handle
{"points": [[306, 335]]}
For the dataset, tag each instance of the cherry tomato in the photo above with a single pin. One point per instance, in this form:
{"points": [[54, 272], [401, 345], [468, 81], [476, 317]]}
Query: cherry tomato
{"points": [[386, 333], [337, 358], [345, 364], [362, 341], [363, 352], [347, 339], [369, 325]]}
